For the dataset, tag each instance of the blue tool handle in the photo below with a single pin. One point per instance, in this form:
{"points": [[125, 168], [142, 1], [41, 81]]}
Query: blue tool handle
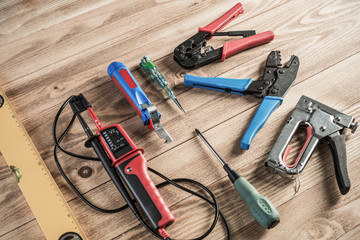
{"points": [[129, 87], [230, 85], [266, 108]]}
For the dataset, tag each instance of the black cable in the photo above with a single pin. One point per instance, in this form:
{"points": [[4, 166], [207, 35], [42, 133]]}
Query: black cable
{"points": [[58, 142], [168, 181], [57, 145]]}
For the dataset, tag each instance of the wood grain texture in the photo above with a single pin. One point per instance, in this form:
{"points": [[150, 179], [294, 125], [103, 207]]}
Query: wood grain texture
{"points": [[52, 50]]}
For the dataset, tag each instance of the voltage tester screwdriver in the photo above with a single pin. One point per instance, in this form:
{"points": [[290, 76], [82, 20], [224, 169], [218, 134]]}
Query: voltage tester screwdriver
{"points": [[158, 79], [259, 206]]}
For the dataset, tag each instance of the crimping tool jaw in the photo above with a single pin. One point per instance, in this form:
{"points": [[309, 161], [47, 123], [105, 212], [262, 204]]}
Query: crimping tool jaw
{"points": [[285, 77], [322, 124], [260, 88], [194, 52]]}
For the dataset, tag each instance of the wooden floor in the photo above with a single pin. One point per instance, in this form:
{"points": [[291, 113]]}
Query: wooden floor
{"points": [[52, 50]]}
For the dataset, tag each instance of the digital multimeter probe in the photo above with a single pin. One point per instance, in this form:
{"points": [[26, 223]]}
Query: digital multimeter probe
{"points": [[126, 165]]}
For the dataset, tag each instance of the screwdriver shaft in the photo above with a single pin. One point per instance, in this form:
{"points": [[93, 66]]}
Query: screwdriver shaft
{"points": [[210, 147]]}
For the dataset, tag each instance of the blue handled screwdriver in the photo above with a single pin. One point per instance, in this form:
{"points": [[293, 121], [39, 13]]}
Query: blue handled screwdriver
{"points": [[259, 206]]}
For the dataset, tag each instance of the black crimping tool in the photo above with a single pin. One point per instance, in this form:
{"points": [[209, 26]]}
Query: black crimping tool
{"points": [[322, 123], [194, 53]]}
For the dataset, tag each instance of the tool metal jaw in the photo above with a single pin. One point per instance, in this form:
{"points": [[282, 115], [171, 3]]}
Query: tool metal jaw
{"points": [[272, 88], [323, 124], [194, 52]]}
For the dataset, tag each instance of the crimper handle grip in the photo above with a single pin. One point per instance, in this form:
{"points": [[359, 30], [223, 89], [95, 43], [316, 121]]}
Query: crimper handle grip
{"points": [[338, 151], [221, 22], [134, 171], [231, 48], [237, 86], [130, 88], [267, 106]]}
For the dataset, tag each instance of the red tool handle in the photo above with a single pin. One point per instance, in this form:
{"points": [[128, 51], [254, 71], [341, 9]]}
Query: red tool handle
{"points": [[231, 48], [221, 22], [133, 170], [288, 149], [132, 167]]}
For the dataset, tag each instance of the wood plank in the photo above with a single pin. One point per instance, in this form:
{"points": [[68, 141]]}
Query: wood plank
{"points": [[200, 101], [53, 50]]}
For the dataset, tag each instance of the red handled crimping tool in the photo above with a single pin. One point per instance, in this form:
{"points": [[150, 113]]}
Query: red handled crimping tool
{"points": [[194, 53]]}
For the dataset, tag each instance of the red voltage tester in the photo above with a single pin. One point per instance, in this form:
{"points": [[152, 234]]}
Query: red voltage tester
{"points": [[129, 162]]}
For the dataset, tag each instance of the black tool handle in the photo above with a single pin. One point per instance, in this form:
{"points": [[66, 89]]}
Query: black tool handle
{"points": [[133, 170], [338, 151]]}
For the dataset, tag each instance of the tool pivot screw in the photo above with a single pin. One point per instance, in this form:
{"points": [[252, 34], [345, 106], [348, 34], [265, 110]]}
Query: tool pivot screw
{"points": [[266, 82], [281, 71], [338, 118], [274, 90], [129, 169], [322, 128], [260, 88], [269, 71]]}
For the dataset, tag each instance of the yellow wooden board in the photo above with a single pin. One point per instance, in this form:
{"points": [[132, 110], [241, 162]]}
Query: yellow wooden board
{"points": [[39, 188]]}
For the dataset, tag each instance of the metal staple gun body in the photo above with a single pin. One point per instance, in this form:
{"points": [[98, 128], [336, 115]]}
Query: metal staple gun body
{"points": [[322, 123]]}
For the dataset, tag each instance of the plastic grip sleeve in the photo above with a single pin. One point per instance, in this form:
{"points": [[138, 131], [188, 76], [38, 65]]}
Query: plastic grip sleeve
{"points": [[134, 172], [231, 48], [218, 84], [267, 106], [259, 206], [129, 87], [338, 151], [221, 22]]}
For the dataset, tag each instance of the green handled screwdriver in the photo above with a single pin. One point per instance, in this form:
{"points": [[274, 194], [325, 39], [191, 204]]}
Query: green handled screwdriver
{"points": [[259, 206]]}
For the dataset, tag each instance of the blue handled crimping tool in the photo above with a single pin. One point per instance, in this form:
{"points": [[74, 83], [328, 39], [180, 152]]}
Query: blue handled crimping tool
{"points": [[273, 87], [138, 100]]}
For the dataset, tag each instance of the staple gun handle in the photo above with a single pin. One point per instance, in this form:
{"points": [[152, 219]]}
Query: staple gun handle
{"points": [[338, 151], [267, 106]]}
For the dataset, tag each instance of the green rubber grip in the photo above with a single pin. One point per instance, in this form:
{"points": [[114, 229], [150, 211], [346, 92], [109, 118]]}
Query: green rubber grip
{"points": [[259, 206]]}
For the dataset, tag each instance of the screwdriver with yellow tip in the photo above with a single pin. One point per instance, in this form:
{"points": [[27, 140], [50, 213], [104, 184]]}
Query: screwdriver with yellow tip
{"points": [[259, 206]]}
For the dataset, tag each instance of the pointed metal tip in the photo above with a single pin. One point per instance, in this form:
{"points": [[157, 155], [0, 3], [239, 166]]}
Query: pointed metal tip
{"points": [[197, 131], [178, 104]]}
